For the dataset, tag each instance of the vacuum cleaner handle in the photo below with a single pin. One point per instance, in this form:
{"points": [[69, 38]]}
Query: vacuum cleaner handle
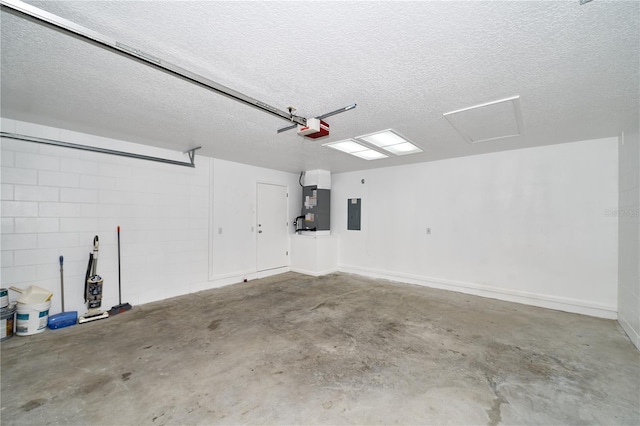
{"points": [[95, 255], [86, 277], [62, 283]]}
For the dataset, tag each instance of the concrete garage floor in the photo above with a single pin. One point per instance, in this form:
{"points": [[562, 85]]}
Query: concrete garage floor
{"points": [[339, 349]]}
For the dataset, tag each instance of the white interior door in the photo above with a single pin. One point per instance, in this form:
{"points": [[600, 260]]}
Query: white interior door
{"points": [[272, 227]]}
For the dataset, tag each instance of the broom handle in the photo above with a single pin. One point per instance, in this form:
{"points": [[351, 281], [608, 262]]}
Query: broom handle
{"points": [[119, 286]]}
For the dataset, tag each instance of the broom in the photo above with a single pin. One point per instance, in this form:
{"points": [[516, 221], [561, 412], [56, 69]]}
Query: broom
{"points": [[63, 319], [120, 307]]}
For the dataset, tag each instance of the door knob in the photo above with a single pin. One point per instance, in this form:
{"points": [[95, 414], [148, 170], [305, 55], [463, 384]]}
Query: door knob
{"points": [[260, 231]]}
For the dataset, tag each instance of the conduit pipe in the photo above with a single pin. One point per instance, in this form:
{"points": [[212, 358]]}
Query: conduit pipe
{"points": [[191, 152]]}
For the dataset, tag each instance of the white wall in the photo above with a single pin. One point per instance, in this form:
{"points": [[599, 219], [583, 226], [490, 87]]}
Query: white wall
{"points": [[233, 242], [54, 200], [528, 225], [629, 236]]}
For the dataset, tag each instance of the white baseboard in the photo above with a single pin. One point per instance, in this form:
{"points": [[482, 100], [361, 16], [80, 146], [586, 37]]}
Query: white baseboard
{"points": [[634, 336], [314, 273], [271, 272], [540, 300], [222, 280]]}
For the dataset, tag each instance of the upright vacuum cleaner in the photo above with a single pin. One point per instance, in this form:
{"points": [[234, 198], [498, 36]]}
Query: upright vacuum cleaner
{"points": [[93, 289]]}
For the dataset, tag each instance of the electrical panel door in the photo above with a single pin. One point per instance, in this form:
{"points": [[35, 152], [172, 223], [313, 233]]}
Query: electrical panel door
{"points": [[316, 208], [353, 214]]}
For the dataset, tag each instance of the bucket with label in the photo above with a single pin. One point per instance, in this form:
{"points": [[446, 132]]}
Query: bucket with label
{"points": [[4, 297], [7, 317], [31, 318]]}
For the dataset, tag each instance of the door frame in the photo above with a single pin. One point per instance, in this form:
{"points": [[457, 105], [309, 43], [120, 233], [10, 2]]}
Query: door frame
{"points": [[287, 267]]}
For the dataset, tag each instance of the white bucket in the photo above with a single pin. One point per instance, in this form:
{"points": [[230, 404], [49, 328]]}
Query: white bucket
{"points": [[31, 319], [4, 298], [7, 317]]}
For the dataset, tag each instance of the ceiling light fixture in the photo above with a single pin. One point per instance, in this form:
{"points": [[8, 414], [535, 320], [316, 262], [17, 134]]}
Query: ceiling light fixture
{"points": [[352, 147], [391, 141]]}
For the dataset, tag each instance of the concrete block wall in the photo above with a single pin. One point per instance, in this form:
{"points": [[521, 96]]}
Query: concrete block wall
{"points": [[629, 235], [528, 225], [54, 200]]}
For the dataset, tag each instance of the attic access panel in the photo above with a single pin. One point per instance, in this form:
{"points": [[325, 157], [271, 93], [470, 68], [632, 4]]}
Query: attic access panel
{"points": [[490, 121]]}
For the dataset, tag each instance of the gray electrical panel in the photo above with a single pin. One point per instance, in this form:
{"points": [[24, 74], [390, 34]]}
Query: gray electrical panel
{"points": [[316, 208], [353, 214]]}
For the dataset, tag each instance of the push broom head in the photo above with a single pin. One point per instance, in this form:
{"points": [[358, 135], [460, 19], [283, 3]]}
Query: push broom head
{"points": [[118, 309]]}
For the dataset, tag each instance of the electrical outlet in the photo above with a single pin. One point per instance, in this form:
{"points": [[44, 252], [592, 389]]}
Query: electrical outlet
{"points": [[428, 231]]}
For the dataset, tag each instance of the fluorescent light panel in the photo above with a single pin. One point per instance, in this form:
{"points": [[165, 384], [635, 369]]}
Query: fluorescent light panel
{"points": [[382, 139], [346, 146], [354, 148], [391, 142], [403, 148], [369, 154]]}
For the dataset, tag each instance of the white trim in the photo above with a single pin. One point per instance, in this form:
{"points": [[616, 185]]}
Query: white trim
{"points": [[243, 274], [633, 334], [499, 101], [314, 273], [237, 277], [211, 271], [271, 272], [541, 300], [223, 280], [255, 224]]}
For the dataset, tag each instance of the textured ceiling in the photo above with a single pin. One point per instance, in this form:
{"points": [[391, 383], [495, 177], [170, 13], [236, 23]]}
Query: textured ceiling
{"points": [[404, 64]]}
